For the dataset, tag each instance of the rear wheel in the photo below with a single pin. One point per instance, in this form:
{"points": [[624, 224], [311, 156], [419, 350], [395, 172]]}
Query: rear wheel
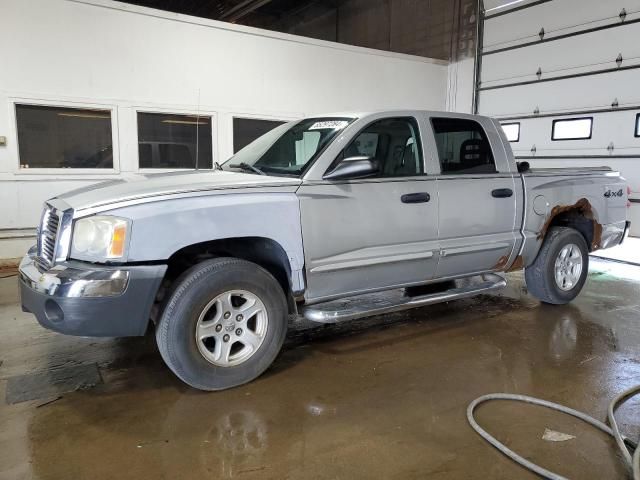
{"points": [[223, 325], [561, 267]]}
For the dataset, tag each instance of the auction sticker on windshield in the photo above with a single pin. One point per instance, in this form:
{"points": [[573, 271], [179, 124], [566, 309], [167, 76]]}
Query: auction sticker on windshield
{"points": [[329, 124]]}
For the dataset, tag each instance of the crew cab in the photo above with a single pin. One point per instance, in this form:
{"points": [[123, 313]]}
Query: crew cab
{"points": [[388, 210]]}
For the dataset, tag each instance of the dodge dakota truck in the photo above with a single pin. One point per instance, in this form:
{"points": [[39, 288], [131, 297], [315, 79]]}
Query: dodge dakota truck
{"points": [[328, 218]]}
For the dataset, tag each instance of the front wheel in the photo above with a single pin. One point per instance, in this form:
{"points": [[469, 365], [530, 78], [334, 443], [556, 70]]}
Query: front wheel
{"points": [[223, 325], [561, 267]]}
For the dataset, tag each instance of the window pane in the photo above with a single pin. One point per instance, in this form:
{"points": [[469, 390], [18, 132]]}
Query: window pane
{"points": [[463, 146], [394, 143], [60, 137], [512, 131], [307, 147], [572, 129], [246, 130], [174, 141], [638, 125], [289, 148]]}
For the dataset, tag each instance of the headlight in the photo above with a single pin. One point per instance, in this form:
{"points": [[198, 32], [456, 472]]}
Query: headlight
{"points": [[99, 238]]}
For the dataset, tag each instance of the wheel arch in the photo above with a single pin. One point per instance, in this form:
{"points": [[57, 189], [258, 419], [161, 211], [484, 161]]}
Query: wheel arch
{"points": [[581, 216], [262, 251]]}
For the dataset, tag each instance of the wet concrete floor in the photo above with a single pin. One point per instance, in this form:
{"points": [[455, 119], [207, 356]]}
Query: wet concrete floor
{"points": [[376, 398]]}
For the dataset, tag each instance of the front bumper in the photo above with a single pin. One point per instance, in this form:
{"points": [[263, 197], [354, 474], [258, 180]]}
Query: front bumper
{"points": [[90, 300]]}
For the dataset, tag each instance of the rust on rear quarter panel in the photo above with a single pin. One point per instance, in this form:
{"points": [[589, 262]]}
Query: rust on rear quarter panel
{"points": [[502, 261], [583, 207], [518, 264]]}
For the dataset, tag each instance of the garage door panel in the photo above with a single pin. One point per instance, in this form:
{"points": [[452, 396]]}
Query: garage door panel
{"points": [[616, 127], [597, 50], [572, 83], [580, 93], [558, 17]]}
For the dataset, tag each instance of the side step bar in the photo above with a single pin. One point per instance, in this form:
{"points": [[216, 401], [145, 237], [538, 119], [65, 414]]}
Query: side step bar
{"points": [[379, 303]]}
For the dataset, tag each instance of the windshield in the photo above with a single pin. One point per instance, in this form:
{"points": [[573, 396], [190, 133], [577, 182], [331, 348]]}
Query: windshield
{"points": [[289, 148]]}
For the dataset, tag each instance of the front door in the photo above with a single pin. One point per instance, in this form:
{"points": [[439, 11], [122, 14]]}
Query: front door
{"points": [[368, 234], [477, 208]]}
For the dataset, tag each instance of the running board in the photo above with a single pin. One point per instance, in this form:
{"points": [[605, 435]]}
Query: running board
{"points": [[394, 300]]}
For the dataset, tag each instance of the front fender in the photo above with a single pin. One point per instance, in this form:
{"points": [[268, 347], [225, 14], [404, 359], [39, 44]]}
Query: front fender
{"points": [[161, 228]]}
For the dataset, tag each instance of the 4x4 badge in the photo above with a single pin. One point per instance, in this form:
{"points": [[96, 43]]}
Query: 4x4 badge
{"points": [[613, 193]]}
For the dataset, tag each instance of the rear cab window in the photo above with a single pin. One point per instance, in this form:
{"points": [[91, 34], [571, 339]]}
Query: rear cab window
{"points": [[463, 147]]}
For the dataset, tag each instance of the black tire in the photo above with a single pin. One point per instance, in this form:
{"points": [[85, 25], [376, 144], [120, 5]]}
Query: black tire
{"points": [[175, 332], [540, 275]]}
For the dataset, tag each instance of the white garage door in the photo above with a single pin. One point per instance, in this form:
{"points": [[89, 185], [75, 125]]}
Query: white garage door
{"points": [[565, 76]]}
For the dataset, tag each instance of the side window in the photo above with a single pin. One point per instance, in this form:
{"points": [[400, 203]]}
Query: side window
{"points": [[463, 146], [246, 130], [394, 143], [167, 140], [64, 137]]}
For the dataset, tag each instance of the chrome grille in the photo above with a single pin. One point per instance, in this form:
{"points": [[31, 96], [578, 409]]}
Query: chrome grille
{"points": [[48, 235]]}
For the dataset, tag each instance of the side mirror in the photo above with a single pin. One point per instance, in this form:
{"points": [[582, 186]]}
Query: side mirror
{"points": [[353, 167]]}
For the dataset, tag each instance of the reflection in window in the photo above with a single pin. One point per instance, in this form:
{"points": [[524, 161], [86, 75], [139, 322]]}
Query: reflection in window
{"points": [[394, 143], [512, 131], [246, 130], [61, 137], [306, 147], [174, 141], [289, 148], [463, 147], [572, 129]]}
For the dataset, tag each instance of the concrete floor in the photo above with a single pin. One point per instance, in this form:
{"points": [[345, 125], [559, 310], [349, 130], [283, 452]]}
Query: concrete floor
{"points": [[378, 398], [628, 252]]}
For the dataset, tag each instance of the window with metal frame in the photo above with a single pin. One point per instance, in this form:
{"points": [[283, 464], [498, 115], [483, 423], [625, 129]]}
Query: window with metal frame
{"points": [[64, 137], [579, 128], [637, 131], [463, 147], [512, 131], [246, 130], [394, 143], [172, 141]]}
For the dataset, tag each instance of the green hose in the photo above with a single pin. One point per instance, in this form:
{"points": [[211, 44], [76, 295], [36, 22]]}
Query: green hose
{"points": [[623, 443]]}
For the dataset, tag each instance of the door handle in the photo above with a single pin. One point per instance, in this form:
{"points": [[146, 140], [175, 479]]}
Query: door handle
{"points": [[421, 197], [501, 192]]}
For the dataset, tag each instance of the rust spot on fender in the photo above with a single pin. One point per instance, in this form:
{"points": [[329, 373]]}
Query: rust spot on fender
{"points": [[518, 264], [583, 207], [502, 261], [597, 236]]}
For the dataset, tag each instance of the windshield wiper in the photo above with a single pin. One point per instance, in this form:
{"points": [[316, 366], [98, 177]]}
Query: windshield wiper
{"points": [[217, 166], [245, 166]]}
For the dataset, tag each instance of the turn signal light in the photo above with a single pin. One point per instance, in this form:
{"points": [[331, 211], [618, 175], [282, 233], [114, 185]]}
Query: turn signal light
{"points": [[117, 241]]}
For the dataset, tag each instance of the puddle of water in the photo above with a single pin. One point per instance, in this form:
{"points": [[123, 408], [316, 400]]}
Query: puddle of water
{"points": [[44, 385]]}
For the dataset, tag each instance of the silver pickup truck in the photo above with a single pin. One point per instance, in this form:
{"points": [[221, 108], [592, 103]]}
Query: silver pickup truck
{"points": [[331, 218]]}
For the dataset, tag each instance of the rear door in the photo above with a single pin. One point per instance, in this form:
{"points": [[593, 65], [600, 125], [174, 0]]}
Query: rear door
{"points": [[477, 197]]}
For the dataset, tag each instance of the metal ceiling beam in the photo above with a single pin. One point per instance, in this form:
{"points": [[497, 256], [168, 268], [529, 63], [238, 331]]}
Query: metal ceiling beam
{"points": [[242, 9]]}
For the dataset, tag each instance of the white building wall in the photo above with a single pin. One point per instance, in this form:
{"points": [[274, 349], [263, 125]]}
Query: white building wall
{"points": [[460, 85], [100, 53]]}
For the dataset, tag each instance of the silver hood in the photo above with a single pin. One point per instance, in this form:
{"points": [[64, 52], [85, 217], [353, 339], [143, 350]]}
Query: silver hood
{"points": [[139, 186]]}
